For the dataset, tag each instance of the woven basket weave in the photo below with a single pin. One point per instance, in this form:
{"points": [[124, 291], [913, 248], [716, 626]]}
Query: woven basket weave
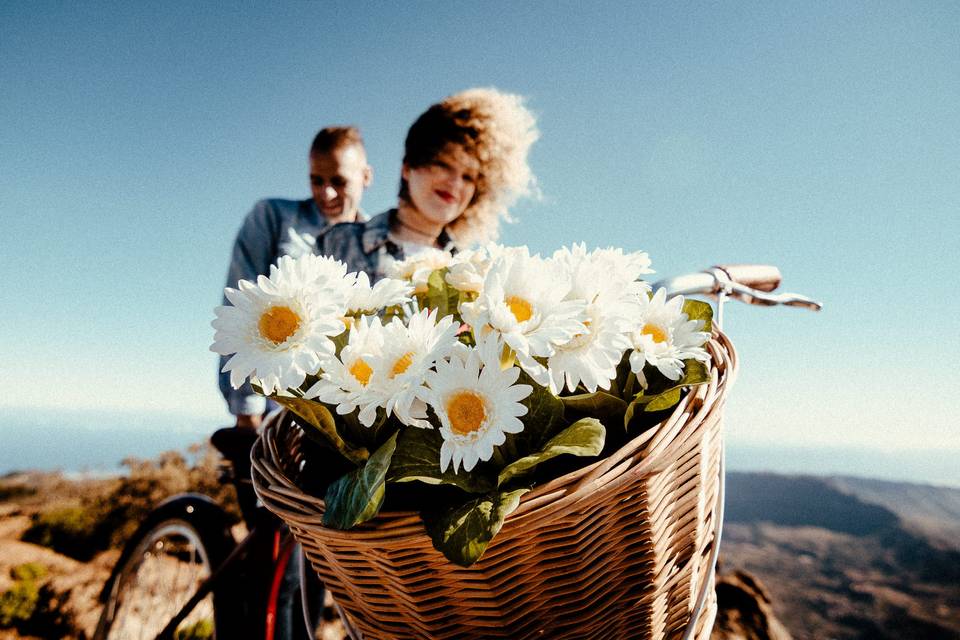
{"points": [[618, 549]]}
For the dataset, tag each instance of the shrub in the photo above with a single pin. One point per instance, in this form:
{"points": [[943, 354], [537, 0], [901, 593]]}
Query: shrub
{"points": [[32, 607], [109, 517], [66, 530], [151, 481], [199, 630], [12, 491], [19, 602]]}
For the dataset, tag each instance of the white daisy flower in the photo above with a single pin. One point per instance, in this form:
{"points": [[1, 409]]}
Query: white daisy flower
{"points": [[612, 299], [279, 329], [407, 353], [523, 301], [666, 337], [345, 381], [478, 403], [468, 268], [417, 268], [320, 273], [628, 267], [385, 293]]}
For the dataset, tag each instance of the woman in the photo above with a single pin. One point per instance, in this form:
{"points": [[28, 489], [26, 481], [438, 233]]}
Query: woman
{"points": [[464, 164]]}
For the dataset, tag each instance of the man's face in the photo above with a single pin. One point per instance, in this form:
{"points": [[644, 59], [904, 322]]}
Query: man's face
{"points": [[337, 180]]}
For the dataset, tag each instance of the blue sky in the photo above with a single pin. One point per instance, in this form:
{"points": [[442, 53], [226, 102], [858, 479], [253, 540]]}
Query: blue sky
{"points": [[822, 137]]}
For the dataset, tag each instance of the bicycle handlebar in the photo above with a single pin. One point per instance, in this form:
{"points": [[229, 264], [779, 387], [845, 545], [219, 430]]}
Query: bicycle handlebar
{"points": [[762, 277], [749, 283]]}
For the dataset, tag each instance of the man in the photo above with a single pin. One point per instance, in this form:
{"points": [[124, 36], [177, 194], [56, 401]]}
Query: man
{"points": [[338, 175]]}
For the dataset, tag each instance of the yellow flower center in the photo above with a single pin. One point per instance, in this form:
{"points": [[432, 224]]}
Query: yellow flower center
{"points": [[278, 323], [655, 332], [402, 364], [466, 412], [361, 371], [520, 308]]}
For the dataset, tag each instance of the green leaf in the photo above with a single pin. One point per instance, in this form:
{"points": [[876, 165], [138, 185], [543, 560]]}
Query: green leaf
{"points": [[358, 496], [699, 310], [624, 374], [628, 415], [598, 405], [583, 438], [353, 431], [317, 415], [418, 458], [544, 418], [664, 400], [389, 313], [694, 373], [663, 393], [440, 295], [340, 341], [463, 533]]}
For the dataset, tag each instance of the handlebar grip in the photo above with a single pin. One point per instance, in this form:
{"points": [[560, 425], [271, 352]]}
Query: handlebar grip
{"points": [[762, 277]]}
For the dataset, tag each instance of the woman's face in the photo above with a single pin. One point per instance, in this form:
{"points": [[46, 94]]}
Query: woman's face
{"points": [[443, 189]]}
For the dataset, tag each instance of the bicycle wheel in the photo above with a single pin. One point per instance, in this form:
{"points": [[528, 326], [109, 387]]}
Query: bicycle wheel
{"points": [[179, 545]]}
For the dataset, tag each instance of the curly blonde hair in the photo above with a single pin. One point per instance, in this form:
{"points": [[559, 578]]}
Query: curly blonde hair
{"points": [[498, 130]]}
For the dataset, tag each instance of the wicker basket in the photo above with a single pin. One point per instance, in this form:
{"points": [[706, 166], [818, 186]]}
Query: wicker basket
{"points": [[618, 549]]}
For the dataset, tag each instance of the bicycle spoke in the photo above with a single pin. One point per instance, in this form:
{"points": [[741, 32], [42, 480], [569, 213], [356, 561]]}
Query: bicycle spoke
{"points": [[167, 569]]}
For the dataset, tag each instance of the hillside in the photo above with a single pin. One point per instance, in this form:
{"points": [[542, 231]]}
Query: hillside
{"points": [[847, 558], [811, 557], [933, 512]]}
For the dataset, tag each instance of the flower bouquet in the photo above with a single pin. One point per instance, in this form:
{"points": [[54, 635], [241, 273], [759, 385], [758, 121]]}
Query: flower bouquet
{"points": [[459, 388]]}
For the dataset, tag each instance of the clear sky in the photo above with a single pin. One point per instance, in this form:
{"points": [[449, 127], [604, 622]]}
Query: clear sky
{"points": [[822, 137]]}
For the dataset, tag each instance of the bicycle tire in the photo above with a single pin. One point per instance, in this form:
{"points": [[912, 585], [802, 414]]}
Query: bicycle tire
{"points": [[179, 544]]}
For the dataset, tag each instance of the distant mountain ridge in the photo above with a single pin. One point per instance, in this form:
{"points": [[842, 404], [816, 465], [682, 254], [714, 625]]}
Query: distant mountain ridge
{"points": [[848, 557], [802, 501], [930, 510]]}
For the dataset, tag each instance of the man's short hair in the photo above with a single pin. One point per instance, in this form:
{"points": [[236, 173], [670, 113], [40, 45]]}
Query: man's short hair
{"points": [[332, 138]]}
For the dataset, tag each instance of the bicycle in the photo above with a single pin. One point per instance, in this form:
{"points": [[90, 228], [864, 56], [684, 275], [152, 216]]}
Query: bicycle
{"points": [[200, 541], [182, 575]]}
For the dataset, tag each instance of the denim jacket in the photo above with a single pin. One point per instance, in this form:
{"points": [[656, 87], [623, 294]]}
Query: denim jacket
{"points": [[363, 245], [273, 228]]}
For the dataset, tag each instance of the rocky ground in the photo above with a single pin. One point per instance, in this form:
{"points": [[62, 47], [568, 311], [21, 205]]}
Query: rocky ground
{"points": [[803, 558], [68, 588], [846, 558], [71, 586]]}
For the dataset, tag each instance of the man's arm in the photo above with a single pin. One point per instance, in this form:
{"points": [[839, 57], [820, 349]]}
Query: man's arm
{"points": [[253, 252]]}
